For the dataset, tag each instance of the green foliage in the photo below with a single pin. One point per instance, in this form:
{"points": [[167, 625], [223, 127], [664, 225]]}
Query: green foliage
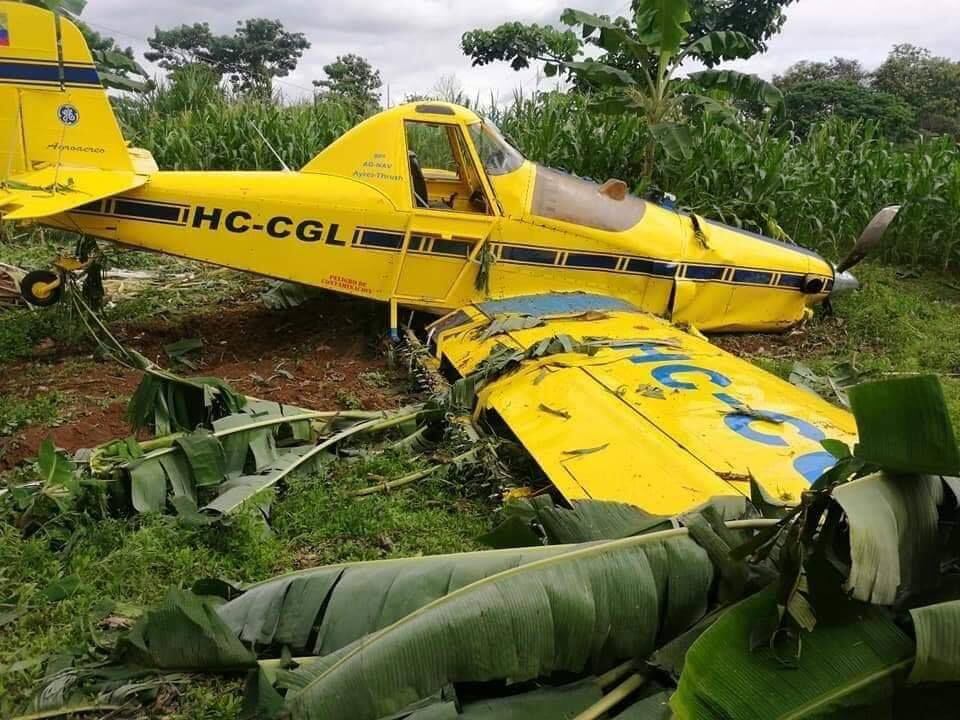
{"points": [[519, 44], [354, 81], [841, 668], [759, 20], [190, 123], [258, 51], [638, 71], [838, 69], [929, 84], [15, 413], [814, 101]]}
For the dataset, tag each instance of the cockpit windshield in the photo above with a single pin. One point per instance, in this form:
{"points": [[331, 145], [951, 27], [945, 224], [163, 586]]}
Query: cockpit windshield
{"points": [[497, 155]]}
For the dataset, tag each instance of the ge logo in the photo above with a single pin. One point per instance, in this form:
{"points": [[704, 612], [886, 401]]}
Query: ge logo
{"points": [[68, 115]]}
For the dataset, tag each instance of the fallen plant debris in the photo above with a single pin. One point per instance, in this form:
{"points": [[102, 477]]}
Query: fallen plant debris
{"points": [[854, 589]]}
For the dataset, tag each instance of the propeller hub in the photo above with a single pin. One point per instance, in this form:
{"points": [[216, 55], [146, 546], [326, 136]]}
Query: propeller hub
{"points": [[844, 282]]}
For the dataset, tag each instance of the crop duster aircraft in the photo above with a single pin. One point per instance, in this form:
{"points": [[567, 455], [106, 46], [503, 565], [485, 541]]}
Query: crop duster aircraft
{"points": [[426, 206]]}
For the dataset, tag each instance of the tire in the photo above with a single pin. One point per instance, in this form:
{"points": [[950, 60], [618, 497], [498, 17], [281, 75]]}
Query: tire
{"points": [[36, 278]]}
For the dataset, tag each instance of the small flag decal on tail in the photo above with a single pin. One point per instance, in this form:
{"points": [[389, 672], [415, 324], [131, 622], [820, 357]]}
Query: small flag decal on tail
{"points": [[4, 31]]}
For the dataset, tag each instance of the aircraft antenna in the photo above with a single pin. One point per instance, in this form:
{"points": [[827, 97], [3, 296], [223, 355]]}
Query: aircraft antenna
{"points": [[267, 143]]}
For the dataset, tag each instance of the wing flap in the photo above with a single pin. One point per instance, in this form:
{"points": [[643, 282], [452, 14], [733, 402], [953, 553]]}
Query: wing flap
{"points": [[52, 191]]}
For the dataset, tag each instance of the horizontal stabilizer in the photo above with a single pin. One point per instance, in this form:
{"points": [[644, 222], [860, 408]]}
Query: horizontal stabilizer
{"points": [[52, 191]]}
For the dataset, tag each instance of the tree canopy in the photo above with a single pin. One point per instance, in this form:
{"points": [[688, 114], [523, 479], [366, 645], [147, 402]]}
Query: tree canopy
{"points": [[258, 51], [911, 91], [354, 80], [639, 68], [521, 44], [814, 101], [838, 69], [929, 84]]}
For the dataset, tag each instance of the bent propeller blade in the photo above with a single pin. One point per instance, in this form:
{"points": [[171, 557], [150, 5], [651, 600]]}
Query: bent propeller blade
{"points": [[870, 238]]}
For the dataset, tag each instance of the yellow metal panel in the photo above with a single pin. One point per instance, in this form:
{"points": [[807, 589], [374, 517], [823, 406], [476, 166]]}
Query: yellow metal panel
{"points": [[632, 462], [673, 407], [31, 32], [74, 187]]}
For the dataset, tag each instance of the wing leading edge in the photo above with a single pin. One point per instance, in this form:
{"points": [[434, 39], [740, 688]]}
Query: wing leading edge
{"points": [[655, 416]]}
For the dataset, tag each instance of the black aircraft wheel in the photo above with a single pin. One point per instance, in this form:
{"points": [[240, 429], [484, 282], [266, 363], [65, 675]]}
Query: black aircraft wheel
{"points": [[41, 288]]}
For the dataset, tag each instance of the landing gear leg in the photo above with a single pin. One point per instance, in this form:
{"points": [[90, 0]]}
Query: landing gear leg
{"points": [[394, 322]]}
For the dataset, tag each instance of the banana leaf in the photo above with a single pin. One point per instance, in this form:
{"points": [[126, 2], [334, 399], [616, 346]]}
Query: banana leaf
{"points": [[247, 452], [904, 426], [183, 633], [321, 610], [841, 668], [893, 524], [549, 703], [568, 612], [588, 520], [652, 707], [169, 403], [937, 628]]}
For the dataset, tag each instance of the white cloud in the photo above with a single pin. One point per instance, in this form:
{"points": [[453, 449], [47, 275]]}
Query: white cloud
{"points": [[414, 42]]}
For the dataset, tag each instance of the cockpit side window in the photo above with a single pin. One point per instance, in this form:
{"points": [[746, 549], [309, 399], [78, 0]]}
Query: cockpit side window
{"points": [[443, 175], [497, 155]]}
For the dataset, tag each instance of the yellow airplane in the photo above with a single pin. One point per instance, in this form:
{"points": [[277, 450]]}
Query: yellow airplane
{"points": [[427, 207]]}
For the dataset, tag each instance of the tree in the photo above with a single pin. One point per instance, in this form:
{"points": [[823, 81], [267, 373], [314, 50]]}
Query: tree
{"points": [[353, 80], [116, 66], [838, 69], [816, 100], [649, 50], [929, 84], [182, 46], [520, 44], [258, 51], [759, 20]]}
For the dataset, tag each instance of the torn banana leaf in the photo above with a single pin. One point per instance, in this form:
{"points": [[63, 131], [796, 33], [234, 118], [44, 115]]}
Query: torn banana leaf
{"points": [[501, 324], [321, 610], [893, 534], [937, 628], [841, 668], [568, 612], [170, 403], [246, 453]]}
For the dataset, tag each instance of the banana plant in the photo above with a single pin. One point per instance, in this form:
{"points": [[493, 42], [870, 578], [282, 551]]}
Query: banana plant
{"points": [[656, 46]]}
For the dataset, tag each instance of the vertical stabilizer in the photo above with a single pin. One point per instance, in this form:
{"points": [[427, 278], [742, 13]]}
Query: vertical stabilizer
{"points": [[53, 110]]}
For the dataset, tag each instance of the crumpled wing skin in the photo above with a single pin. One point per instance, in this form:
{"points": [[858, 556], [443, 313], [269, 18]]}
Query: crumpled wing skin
{"points": [[658, 418], [49, 191]]}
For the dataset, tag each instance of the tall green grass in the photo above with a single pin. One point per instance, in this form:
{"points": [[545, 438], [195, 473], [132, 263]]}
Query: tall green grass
{"points": [[820, 190]]}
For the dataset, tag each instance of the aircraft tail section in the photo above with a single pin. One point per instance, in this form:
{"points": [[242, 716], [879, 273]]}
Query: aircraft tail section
{"points": [[57, 128]]}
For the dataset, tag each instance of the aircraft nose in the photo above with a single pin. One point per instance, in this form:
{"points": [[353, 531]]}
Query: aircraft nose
{"points": [[844, 282]]}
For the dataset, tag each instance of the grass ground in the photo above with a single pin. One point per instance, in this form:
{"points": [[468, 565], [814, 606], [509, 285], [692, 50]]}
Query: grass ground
{"points": [[69, 588]]}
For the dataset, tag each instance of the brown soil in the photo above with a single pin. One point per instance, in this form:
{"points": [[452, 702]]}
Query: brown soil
{"points": [[822, 337], [325, 354]]}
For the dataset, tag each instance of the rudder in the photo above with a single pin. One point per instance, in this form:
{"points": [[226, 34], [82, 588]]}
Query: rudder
{"points": [[53, 110]]}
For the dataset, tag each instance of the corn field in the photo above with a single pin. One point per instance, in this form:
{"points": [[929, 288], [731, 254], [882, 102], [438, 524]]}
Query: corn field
{"points": [[819, 190]]}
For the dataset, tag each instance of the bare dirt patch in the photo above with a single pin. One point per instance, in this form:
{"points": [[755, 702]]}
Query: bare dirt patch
{"points": [[325, 354]]}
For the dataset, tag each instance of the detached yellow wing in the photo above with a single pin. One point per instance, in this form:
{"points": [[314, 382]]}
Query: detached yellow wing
{"points": [[50, 191], [656, 417]]}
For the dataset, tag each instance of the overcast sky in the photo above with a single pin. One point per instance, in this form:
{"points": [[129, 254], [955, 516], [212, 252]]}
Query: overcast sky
{"points": [[415, 42]]}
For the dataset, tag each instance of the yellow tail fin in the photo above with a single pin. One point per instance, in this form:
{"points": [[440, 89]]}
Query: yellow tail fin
{"points": [[58, 132], [53, 109]]}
